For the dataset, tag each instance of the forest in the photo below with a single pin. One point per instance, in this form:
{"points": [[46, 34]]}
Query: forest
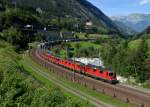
{"points": [[129, 58]]}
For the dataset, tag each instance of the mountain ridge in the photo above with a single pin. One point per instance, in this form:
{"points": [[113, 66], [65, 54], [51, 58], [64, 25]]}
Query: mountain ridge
{"points": [[137, 21], [77, 9], [126, 30]]}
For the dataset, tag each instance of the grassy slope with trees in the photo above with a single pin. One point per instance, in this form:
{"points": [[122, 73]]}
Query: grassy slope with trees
{"points": [[17, 88], [81, 49], [77, 49], [129, 58]]}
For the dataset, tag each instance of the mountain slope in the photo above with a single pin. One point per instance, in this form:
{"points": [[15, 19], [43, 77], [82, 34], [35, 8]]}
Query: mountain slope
{"points": [[145, 33], [137, 22], [97, 14], [77, 9], [126, 30]]}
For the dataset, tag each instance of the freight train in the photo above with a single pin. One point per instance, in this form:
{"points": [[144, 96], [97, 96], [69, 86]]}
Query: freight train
{"points": [[96, 72]]}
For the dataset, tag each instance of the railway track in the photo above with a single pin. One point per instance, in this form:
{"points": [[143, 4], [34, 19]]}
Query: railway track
{"points": [[78, 93], [82, 95], [133, 89], [126, 94], [144, 90]]}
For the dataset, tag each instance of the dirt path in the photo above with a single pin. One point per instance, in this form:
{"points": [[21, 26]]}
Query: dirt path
{"points": [[66, 87]]}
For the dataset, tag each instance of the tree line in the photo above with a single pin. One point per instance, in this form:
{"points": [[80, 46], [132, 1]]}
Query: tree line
{"points": [[126, 61]]}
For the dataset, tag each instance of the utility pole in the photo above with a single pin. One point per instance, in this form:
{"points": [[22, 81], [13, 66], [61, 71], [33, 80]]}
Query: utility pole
{"points": [[99, 56], [74, 69], [15, 4], [66, 52], [74, 72]]}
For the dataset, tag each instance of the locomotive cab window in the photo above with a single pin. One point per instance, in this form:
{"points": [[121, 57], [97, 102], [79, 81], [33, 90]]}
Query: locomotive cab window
{"points": [[101, 71], [94, 70], [111, 74]]}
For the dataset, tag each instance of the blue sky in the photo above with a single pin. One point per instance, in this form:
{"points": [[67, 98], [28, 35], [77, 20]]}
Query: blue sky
{"points": [[122, 7]]}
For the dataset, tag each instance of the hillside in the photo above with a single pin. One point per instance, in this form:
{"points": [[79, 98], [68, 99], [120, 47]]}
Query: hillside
{"points": [[18, 88], [145, 34], [126, 30], [80, 10], [138, 22], [146, 31]]}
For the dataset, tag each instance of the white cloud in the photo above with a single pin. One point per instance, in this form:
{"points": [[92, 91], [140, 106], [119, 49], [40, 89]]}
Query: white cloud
{"points": [[143, 2]]}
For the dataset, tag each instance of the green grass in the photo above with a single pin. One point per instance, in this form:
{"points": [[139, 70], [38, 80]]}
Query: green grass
{"points": [[99, 35], [98, 95], [36, 75], [134, 44], [148, 41], [33, 44], [85, 44], [62, 53], [82, 35], [146, 85]]}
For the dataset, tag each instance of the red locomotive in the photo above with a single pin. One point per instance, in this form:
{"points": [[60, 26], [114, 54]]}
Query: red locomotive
{"points": [[105, 75]]}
